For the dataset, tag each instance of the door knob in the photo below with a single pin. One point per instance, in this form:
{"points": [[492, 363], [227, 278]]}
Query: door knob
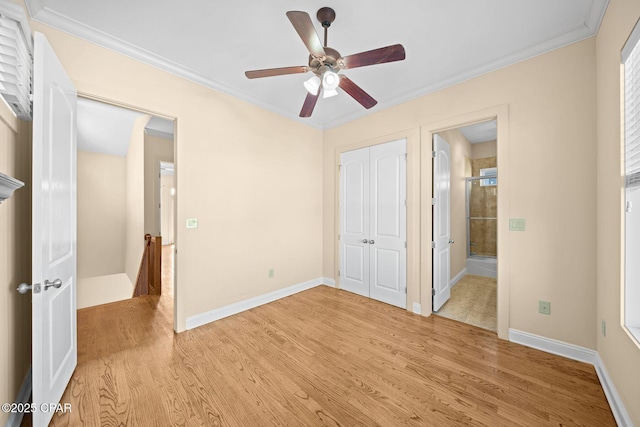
{"points": [[56, 284], [23, 288], [451, 241], [372, 242], [365, 241]]}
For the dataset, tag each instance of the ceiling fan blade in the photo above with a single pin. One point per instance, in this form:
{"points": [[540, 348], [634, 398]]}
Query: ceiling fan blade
{"points": [[309, 105], [303, 25], [357, 92], [254, 74], [376, 56]]}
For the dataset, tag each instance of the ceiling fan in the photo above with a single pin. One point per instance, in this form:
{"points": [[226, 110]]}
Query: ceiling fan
{"points": [[326, 62]]}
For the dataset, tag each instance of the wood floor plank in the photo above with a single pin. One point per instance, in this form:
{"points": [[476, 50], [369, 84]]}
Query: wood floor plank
{"points": [[323, 357]]}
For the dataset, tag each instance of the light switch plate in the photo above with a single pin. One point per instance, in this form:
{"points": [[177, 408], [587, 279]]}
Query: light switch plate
{"points": [[192, 222], [517, 224]]}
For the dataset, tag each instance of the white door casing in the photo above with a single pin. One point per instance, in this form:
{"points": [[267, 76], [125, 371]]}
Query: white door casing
{"points": [[388, 223], [54, 332], [354, 221], [441, 219], [373, 222]]}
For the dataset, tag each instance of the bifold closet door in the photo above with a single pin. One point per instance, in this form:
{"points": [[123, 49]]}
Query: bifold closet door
{"points": [[373, 222]]}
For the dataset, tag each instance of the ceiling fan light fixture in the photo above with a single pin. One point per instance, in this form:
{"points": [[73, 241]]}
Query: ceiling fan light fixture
{"points": [[328, 93], [330, 81], [312, 85]]}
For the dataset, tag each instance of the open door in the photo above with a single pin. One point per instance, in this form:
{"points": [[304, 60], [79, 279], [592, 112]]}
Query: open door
{"points": [[441, 219], [54, 332]]}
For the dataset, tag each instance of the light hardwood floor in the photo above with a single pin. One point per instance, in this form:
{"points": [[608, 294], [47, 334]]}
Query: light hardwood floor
{"points": [[320, 357]]}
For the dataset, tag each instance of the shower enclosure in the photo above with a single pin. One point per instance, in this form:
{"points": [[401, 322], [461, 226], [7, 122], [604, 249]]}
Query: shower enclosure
{"points": [[482, 221]]}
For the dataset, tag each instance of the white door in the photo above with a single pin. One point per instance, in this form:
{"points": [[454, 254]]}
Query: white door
{"points": [[354, 221], [441, 229], [388, 223], [54, 230], [373, 222]]}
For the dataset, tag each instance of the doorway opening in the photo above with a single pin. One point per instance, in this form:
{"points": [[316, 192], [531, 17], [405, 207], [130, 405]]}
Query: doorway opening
{"points": [[120, 152], [465, 191]]}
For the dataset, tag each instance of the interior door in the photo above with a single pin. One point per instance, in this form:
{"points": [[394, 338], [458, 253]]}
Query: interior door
{"points": [[441, 228], [354, 221], [388, 223], [373, 260], [54, 230]]}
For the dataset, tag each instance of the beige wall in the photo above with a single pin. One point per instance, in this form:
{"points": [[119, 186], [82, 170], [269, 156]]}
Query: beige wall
{"points": [[620, 356], [551, 125], [101, 214], [134, 211], [460, 152], [251, 177], [167, 200], [156, 149], [15, 257], [484, 149]]}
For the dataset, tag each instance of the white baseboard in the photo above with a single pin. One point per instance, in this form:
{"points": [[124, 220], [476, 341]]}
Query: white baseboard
{"points": [[580, 354], [549, 345], [457, 278], [238, 307], [15, 418], [615, 402], [329, 282]]}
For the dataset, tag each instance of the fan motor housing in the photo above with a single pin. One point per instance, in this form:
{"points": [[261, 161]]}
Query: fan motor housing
{"points": [[330, 60]]}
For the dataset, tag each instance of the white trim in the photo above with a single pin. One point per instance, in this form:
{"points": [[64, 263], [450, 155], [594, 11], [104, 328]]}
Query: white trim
{"points": [[580, 354], [329, 282], [615, 402], [159, 133], [41, 13], [457, 278], [93, 35], [552, 346], [240, 306], [15, 418]]}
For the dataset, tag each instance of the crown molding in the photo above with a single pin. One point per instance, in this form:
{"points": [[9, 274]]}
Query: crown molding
{"points": [[159, 133], [583, 31], [61, 22], [39, 12]]}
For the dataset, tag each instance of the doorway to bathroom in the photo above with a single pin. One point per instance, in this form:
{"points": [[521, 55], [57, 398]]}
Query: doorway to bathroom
{"points": [[465, 202]]}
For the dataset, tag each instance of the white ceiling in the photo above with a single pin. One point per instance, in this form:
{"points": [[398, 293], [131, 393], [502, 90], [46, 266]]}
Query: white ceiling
{"points": [[214, 42], [106, 129], [480, 132]]}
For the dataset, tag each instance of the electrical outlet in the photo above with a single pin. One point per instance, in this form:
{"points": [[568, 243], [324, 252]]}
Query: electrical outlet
{"points": [[192, 222], [271, 273], [544, 307], [604, 328]]}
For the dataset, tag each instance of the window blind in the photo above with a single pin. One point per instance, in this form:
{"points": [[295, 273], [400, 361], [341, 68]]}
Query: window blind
{"points": [[632, 116], [16, 60]]}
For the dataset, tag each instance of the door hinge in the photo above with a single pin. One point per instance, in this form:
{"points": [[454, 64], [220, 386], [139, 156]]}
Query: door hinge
{"points": [[433, 245], [339, 167], [405, 289], [338, 273], [405, 156], [433, 292], [433, 154], [433, 201], [405, 245], [338, 237]]}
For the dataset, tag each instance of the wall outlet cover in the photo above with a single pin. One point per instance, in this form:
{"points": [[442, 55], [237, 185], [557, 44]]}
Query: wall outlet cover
{"points": [[192, 222], [544, 307], [271, 273]]}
